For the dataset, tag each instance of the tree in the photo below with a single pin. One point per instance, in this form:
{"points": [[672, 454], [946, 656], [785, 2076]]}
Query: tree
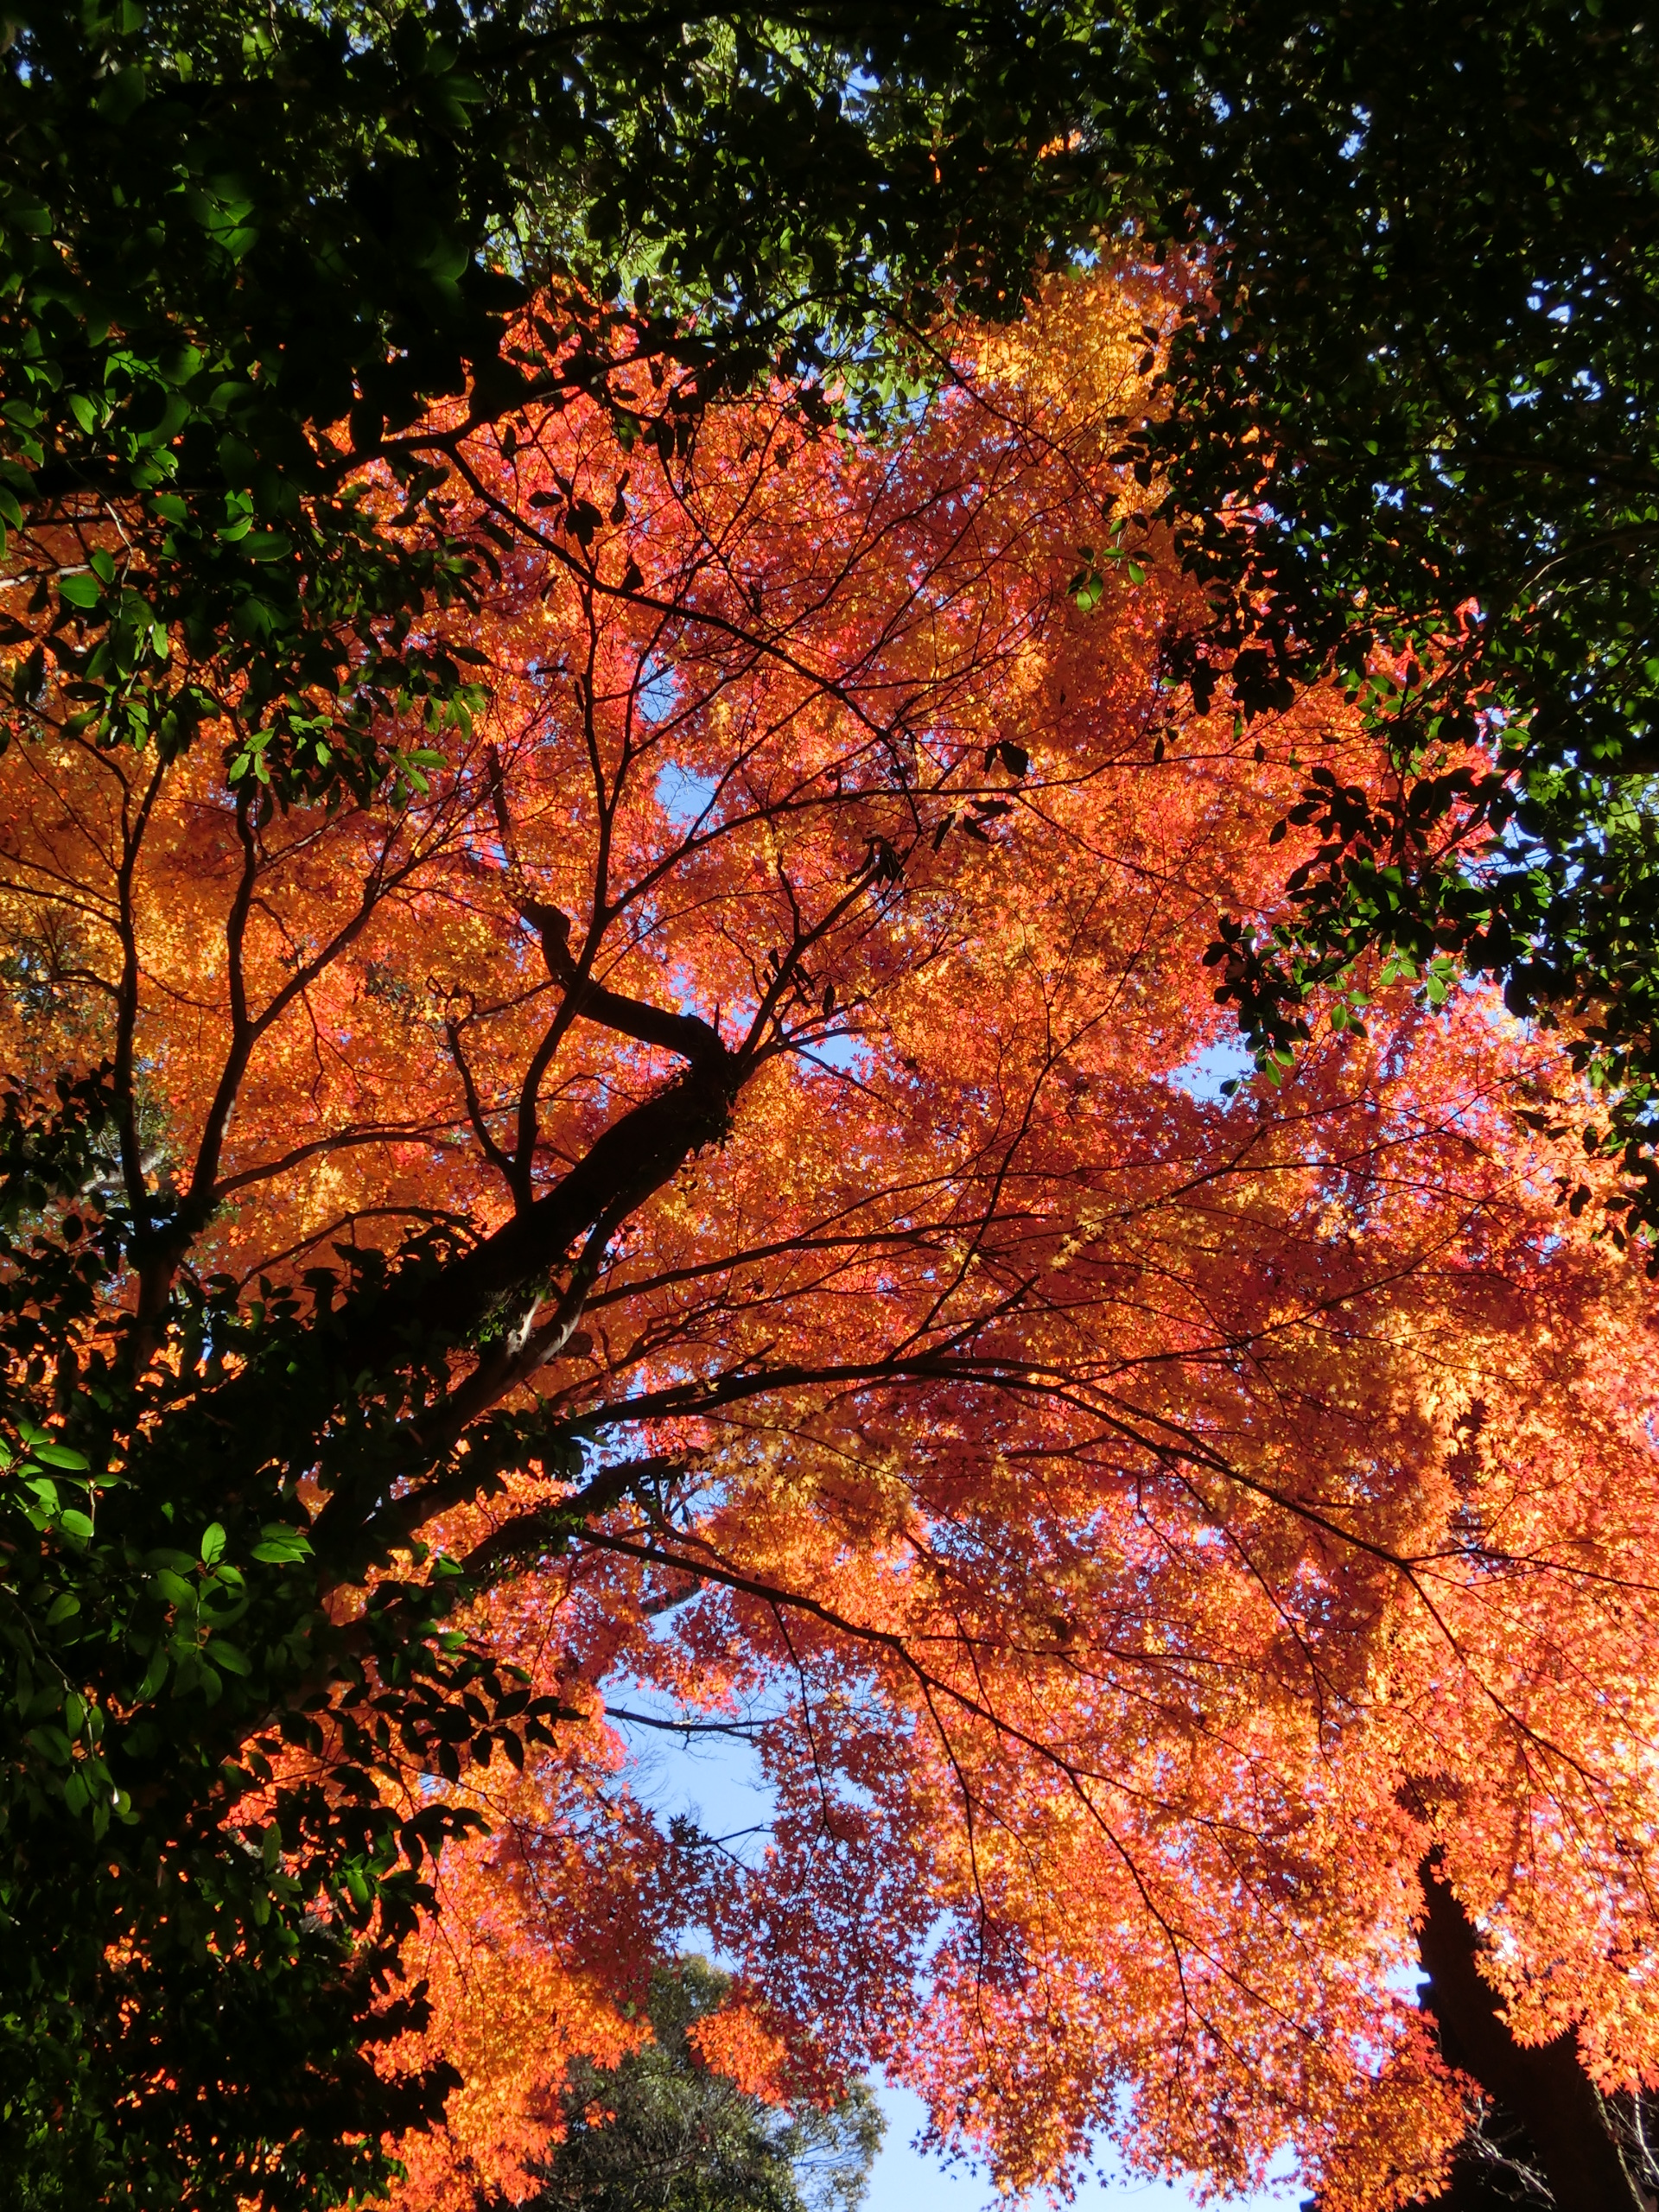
{"points": [[664, 2132], [1411, 381], [1408, 436], [702, 1186], [226, 497]]}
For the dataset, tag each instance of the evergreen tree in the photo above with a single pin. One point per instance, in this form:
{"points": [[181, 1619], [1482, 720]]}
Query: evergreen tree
{"points": [[662, 2132]]}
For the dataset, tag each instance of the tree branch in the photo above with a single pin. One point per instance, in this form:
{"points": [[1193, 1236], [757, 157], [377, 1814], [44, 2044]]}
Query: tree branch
{"points": [[687, 1034]]}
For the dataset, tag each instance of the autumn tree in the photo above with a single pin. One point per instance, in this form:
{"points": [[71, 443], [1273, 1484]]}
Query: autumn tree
{"points": [[705, 1186], [243, 267], [240, 265]]}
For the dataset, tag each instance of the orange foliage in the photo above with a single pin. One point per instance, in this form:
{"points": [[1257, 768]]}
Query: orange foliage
{"points": [[1137, 1523], [737, 2042]]}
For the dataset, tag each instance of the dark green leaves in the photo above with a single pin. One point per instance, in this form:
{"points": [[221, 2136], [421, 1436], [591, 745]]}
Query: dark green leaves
{"points": [[1416, 416], [201, 1933]]}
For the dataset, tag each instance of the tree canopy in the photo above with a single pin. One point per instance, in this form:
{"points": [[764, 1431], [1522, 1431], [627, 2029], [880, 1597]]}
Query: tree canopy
{"points": [[712, 1189], [1403, 431], [612, 814]]}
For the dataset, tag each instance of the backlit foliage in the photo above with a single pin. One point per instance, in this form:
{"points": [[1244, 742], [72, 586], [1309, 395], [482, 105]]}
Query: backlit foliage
{"points": [[1132, 1523]]}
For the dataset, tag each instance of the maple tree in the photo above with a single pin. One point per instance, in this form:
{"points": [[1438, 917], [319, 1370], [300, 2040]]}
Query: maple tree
{"points": [[699, 1187], [239, 262]]}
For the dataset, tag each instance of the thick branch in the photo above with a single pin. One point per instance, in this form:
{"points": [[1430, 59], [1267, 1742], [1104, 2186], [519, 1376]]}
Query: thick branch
{"points": [[688, 1035], [505, 1366], [633, 1158]]}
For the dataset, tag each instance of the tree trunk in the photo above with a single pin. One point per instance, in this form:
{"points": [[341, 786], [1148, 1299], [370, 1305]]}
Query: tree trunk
{"points": [[1542, 2085]]}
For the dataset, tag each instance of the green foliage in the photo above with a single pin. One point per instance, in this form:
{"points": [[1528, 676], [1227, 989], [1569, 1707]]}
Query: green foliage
{"points": [[661, 2132], [193, 294], [1417, 416], [199, 1945]]}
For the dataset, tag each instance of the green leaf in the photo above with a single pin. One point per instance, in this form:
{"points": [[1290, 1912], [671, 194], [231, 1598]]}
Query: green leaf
{"points": [[213, 1542], [179, 367], [124, 94], [164, 1556], [60, 1455], [1087, 588], [81, 590], [282, 1545]]}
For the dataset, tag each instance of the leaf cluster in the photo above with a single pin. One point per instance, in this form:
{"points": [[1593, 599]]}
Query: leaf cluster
{"points": [[213, 1825], [1409, 437]]}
